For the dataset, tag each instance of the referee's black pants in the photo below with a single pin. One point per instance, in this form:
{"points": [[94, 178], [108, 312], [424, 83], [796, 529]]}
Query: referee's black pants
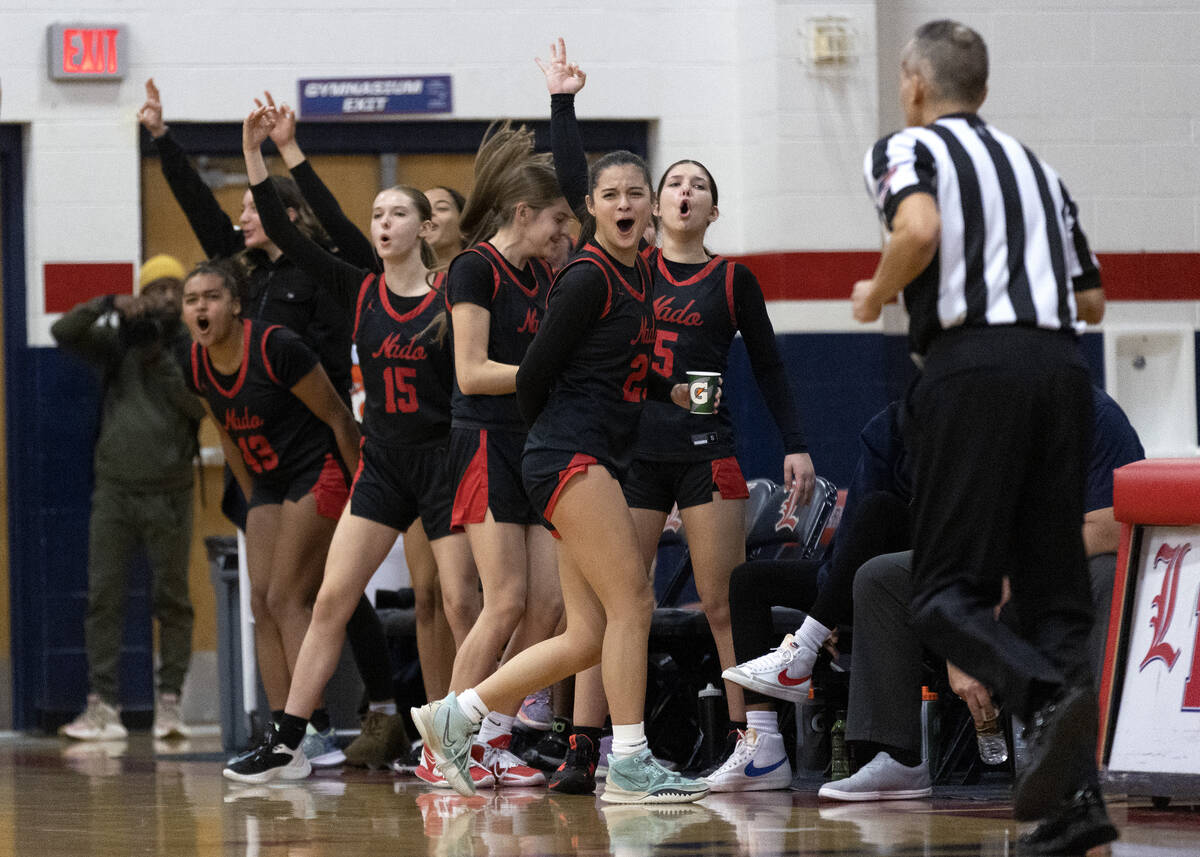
{"points": [[1000, 426]]}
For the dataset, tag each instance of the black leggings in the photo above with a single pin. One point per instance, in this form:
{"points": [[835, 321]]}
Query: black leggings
{"points": [[880, 526], [368, 644]]}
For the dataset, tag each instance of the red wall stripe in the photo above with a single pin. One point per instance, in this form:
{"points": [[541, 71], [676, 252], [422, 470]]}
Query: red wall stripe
{"points": [[830, 275], [69, 283]]}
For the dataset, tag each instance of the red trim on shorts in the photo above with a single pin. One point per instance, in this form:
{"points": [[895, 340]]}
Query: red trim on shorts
{"points": [[362, 445], [266, 360], [728, 478], [579, 464], [330, 490], [471, 495]]}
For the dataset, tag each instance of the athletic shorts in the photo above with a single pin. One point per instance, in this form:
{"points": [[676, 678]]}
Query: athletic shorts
{"points": [[546, 473], [659, 485], [395, 486], [324, 479], [486, 468]]}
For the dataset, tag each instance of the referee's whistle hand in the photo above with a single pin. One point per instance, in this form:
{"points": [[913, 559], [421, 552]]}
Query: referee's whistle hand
{"points": [[865, 306]]}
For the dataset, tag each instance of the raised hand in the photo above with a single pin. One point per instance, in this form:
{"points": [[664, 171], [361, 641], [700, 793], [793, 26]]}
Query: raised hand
{"points": [[257, 127], [151, 114], [284, 132], [561, 76]]}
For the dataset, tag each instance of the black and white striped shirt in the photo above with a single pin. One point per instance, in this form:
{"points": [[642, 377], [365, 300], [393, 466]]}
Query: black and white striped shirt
{"points": [[1011, 249]]}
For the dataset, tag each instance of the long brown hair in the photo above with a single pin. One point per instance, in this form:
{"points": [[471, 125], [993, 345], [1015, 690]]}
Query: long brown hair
{"points": [[507, 171]]}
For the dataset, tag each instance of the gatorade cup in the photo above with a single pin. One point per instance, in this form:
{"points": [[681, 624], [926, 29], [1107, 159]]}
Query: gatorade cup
{"points": [[702, 391]]}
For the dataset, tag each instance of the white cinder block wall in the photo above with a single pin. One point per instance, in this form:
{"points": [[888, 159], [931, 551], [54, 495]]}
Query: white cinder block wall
{"points": [[1104, 90]]}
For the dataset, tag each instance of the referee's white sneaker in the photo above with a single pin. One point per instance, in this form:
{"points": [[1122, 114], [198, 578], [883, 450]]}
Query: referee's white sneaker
{"points": [[784, 673], [882, 778], [757, 763]]}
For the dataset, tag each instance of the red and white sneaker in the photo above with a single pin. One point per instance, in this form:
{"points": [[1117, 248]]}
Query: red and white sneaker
{"points": [[508, 769], [427, 771], [785, 673]]}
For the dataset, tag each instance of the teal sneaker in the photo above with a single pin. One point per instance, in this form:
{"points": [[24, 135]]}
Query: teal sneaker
{"points": [[448, 735], [321, 748], [641, 779]]}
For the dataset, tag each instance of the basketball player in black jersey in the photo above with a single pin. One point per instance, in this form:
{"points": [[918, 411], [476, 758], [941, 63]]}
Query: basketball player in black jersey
{"points": [[402, 471], [496, 290], [280, 293], [436, 639], [290, 441], [581, 386], [700, 301]]}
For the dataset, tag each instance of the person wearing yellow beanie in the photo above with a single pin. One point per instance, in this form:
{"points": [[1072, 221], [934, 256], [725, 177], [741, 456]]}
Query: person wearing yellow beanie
{"points": [[142, 495], [160, 267]]}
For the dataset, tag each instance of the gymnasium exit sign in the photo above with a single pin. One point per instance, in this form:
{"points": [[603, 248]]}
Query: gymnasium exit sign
{"points": [[88, 51]]}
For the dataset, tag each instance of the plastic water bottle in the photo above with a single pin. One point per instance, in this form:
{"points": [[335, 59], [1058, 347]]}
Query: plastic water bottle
{"points": [[812, 733], [930, 730], [993, 749], [711, 736], [840, 767]]}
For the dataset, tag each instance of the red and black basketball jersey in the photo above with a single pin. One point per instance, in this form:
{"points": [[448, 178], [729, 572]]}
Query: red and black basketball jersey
{"points": [[516, 300], [597, 397], [405, 370], [696, 321], [278, 435]]}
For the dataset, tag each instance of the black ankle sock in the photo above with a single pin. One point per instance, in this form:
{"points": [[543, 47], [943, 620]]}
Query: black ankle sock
{"points": [[592, 732], [276, 715], [291, 730], [320, 719]]}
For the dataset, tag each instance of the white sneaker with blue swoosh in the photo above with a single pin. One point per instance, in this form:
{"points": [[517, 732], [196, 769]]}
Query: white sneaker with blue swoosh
{"points": [[757, 763]]}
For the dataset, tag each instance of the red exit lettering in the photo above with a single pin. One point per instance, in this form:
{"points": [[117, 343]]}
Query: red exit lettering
{"points": [[90, 51]]}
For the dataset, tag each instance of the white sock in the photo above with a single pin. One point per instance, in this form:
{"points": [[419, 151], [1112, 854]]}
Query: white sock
{"points": [[472, 706], [493, 725], [811, 636], [388, 708], [763, 722], [629, 739]]}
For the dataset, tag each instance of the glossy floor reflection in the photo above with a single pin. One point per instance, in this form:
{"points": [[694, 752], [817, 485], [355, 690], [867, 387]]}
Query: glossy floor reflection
{"points": [[145, 797]]}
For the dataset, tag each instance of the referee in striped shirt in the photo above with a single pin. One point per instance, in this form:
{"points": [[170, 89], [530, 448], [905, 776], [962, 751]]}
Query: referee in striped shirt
{"points": [[997, 279]]}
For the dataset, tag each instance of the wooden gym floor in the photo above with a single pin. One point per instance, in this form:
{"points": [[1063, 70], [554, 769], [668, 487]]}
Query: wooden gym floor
{"points": [[141, 797]]}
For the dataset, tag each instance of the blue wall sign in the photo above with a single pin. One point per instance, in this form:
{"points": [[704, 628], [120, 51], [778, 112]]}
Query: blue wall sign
{"points": [[349, 98]]}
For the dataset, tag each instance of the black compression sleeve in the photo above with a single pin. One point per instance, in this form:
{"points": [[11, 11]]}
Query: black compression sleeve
{"points": [[352, 245], [570, 160], [210, 224], [328, 271], [765, 361], [576, 303]]}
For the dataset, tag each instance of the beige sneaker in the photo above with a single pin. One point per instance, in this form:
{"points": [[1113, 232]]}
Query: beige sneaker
{"points": [[98, 722], [383, 739], [168, 718]]}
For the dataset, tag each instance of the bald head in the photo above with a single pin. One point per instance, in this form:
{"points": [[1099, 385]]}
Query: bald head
{"points": [[953, 60]]}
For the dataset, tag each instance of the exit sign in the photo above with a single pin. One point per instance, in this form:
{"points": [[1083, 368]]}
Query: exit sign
{"points": [[88, 51]]}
